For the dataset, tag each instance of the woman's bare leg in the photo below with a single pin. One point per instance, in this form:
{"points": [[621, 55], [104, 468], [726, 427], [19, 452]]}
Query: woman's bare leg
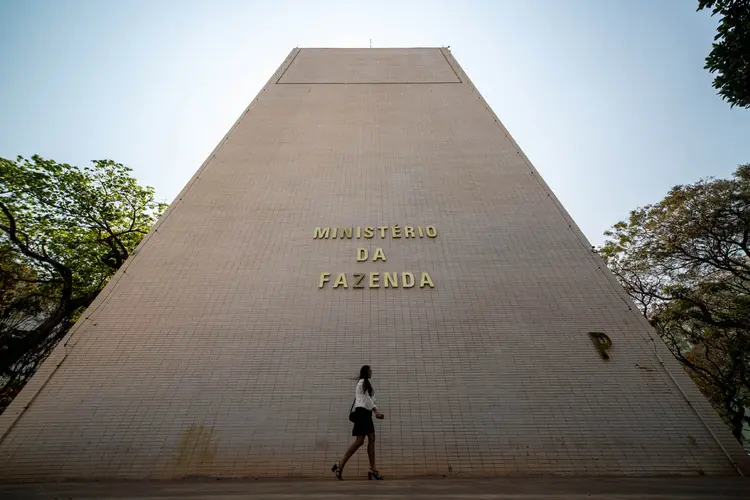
{"points": [[354, 447], [371, 450]]}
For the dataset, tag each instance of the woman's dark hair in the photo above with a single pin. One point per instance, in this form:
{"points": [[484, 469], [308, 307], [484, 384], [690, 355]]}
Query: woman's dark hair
{"points": [[364, 374]]}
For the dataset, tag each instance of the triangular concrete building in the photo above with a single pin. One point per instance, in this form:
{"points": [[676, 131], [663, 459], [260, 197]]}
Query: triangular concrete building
{"points": [[226, 344]]}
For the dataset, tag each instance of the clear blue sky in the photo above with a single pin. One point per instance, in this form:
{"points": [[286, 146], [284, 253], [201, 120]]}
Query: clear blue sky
{"points": [[609, 99]]}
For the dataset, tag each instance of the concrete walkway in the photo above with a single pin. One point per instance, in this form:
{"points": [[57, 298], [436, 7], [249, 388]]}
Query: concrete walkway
{"points": [[595, 488]]}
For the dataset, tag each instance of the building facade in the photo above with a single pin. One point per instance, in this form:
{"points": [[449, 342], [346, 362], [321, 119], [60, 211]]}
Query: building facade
{"points": [[368, 207]]}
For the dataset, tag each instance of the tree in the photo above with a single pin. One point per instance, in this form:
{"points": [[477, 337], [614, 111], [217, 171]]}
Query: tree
{"points": [[64, 231], [685, 261], [730, 56]]}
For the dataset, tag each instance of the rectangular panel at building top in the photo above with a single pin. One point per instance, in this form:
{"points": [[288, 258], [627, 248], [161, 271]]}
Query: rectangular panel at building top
{"points": [[226, 345]]}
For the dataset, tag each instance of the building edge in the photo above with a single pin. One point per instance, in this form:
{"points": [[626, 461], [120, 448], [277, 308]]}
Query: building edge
{"points": [[679, 377], [36, 384]]}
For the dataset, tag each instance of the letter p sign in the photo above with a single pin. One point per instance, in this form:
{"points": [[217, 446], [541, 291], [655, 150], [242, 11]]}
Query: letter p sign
{"points": [[601, 342]]}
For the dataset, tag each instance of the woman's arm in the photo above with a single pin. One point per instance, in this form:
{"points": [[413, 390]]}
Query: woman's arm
{"points": [[375, 411], [369, 401]]}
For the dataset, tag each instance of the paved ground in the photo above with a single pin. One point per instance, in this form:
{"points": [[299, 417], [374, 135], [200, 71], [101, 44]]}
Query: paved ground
{"points": [[674, 488]]}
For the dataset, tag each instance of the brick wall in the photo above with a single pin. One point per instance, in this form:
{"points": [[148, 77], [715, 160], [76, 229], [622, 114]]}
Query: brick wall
{"points": [[214, 352]]}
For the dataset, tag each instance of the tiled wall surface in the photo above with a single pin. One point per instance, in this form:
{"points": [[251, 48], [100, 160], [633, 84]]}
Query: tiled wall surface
{"points": [[379, 66], [215, 353]]}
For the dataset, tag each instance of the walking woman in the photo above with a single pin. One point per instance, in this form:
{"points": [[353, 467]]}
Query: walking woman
{"points": [[364, 408]]}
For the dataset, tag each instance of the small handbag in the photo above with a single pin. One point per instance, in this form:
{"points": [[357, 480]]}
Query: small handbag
{"points": [[352, 412]]}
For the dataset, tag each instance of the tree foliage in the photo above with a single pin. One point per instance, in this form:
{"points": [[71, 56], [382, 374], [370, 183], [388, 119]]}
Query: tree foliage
{"points": [[64, 231], [730, 54], [686, 263]]}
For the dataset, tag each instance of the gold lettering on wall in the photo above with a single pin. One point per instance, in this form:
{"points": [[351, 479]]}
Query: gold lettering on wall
{"points": [[324, 277], [378, 255], [601, 342], [368, 232], [358, 279], [389, 279], [374, 280], [407, 280], [321, 233], [341, 281], [426, 281]]}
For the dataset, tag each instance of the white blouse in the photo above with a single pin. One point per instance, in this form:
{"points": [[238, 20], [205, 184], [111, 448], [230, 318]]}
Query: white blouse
{"points": [[361, 398]]}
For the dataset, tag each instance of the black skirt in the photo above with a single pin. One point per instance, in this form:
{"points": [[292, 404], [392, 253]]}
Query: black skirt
{"points": [[363, 424]]}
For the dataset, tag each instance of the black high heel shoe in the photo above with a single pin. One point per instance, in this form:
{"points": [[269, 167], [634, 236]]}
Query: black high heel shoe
{"points": [[336, 469], [373, 474]]}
